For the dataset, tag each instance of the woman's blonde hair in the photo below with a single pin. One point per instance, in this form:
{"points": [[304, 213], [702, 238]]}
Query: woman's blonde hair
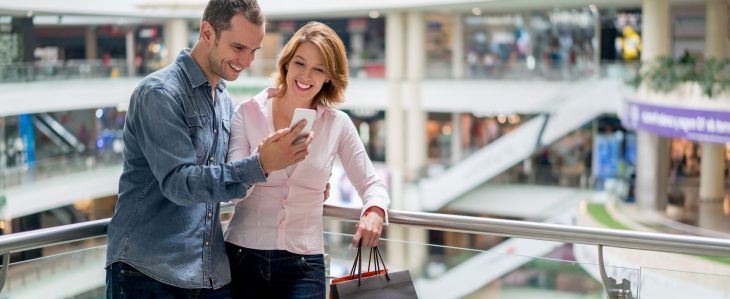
{"points": [[335, 62]]}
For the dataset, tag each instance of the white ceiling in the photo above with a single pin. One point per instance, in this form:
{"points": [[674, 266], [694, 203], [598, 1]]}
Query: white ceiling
{"points": [[279, 9]]}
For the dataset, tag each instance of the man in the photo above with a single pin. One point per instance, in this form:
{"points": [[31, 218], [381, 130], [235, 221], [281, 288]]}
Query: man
{"points": [[165, 238]]}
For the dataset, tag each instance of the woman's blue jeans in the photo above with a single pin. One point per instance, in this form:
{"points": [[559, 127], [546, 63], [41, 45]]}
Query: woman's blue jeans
{"points": [[275, 274]]}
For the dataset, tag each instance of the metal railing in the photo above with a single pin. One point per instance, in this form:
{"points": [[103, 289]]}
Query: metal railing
{"points": [[57, 166], [63, 70], [510, 228]]}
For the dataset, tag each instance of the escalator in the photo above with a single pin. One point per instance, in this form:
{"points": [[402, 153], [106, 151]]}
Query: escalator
{"points": [[57, 133], [574, 108]]}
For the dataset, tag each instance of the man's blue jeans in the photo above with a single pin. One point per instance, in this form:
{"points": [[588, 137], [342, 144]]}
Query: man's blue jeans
{"points": [[275, 274], [123, 281]]}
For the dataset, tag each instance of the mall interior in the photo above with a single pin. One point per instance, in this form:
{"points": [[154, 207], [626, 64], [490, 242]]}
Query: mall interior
{"points": [[531, 148]]}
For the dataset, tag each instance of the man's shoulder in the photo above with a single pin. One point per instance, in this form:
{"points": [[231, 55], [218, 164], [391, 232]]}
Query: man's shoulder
{"points": [[170, 78]]}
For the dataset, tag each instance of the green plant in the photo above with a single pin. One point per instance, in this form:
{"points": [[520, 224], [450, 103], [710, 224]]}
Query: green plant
{"points": [[713, 78], [665, 74]]}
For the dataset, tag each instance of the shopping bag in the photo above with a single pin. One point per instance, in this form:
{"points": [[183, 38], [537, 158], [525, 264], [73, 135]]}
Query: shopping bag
{"points": [[380, 283]]}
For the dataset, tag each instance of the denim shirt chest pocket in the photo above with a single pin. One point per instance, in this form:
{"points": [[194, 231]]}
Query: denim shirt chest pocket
{"points": [[200, 135]]}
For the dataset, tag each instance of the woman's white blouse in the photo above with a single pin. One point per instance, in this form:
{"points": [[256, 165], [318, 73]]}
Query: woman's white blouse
{"points": [[285, 212]]}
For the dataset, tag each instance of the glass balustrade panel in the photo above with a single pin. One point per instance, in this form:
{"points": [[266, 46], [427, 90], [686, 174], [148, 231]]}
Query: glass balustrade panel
{"points": [[665, 283], [512, 268], [76, 274]]}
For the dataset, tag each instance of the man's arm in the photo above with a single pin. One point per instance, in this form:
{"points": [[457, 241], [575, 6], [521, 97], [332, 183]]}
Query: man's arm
{"points": [[163, 135], [277, 152]]}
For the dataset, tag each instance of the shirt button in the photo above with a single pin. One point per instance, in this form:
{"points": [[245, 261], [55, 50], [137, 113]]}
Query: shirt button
{"points": [[215, 131], [206, 243], [211, 158], [210, 214]]}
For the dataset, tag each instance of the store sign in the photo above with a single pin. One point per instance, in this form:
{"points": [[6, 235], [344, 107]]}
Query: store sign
{"points": [[357, 25], [679, 122], [287, 26]]}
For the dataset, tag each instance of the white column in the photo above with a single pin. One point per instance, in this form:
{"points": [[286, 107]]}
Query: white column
{"points": [[456, 151], [457, 46], [711, 216], [712, 172], [395, 128], [3, 146], [176, 38], [713, 154], [716, 29], [651, 173], [357, 45], [394, 68], [712, 167], [90, 43], [130, 49], [416, 128], [596, 43], [415, 67], [652, 165], [655, 29]]}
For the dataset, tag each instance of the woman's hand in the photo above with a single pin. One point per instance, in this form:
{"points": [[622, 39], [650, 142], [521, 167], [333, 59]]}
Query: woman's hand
{"points": [[369, 228]]}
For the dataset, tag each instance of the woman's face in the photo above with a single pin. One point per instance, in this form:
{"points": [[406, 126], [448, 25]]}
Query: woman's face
{"points": [[306, 73]]}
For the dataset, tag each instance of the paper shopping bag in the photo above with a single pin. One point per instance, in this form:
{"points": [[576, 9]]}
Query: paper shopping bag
{"points": [[399, 286], [373, 284]]}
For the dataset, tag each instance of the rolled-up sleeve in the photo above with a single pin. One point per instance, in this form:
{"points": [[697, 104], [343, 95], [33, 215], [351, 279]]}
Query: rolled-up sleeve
{"points": [[163, 136]]}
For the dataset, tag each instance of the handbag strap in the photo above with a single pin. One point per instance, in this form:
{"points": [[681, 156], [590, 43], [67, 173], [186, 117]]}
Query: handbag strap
{"points": [[380, 257], [375, 256], [377, 259], [357, 264]]}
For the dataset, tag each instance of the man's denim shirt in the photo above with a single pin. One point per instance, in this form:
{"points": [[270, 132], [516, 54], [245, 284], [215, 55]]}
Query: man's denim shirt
{"points": [[166, 222]]}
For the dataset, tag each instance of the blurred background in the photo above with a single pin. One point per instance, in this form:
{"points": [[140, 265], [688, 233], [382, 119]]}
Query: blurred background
{"points": [[605, 114]]}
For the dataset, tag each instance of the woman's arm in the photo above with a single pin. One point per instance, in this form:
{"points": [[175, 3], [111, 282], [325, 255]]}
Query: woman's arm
{"points": [[239, 146], [369, 186]]}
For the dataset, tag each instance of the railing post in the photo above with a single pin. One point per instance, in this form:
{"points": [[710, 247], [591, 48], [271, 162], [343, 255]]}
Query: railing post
{"points": [[613, 290], [4, 270]]}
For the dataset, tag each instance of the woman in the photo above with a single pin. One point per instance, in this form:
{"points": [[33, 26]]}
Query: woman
{"points": [[274, 240]]}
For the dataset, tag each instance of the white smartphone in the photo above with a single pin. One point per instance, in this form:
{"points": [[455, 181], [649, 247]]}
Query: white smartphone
{"points": [[299, 115]]}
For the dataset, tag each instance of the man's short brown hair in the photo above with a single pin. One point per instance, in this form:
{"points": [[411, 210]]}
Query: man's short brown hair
{"points": [[218, 13]]}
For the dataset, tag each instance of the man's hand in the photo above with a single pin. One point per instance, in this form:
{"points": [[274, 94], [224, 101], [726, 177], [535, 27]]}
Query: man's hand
{"points": [[277, 152], [369, 228]]}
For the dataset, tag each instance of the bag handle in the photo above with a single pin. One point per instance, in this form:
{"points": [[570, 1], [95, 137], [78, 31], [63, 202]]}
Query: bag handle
{"points": [[374, 254], [358, 262]]}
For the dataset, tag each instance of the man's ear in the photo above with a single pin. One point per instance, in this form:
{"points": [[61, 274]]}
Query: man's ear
{"points": [[206, 32]]}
